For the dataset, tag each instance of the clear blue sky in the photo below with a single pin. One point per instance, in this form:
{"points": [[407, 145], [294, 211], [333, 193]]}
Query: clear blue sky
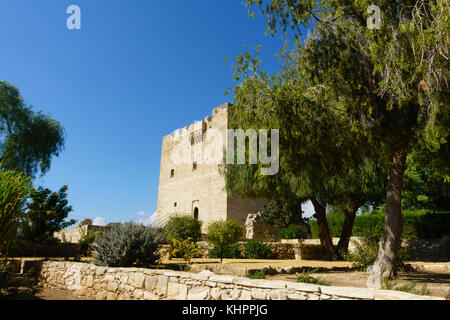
{"points": [[137, 70]]}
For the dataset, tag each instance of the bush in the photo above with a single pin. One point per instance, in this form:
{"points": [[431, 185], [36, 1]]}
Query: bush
{"points": [[186, 249], [255, 249], [224, 233], [417, 224], [86, 240], [232, 251], [366, 252], [292, 232], [184, 227], [261, 274], [126, 245]]}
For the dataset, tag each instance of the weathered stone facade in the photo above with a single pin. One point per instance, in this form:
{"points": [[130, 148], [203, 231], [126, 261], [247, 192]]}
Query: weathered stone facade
{"points": [[74, 234], [102, 283], [190, 182]]}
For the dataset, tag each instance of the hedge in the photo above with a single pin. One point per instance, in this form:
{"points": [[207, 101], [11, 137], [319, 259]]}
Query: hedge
{"points": [[420, 224]]}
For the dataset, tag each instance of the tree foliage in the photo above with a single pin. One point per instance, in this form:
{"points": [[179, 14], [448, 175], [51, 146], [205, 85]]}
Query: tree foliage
{"points": [[183, 227], [223, 233], [427, 179], [282, 214], [28, 139], [46, 214], [376, 91]]}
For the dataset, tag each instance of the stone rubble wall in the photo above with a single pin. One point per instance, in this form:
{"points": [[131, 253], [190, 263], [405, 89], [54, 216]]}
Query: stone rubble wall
{"points": [[430, 250], [103, 283]]}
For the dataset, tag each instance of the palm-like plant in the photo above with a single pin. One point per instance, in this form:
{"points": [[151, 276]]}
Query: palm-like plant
{"points": [[14, 190]]}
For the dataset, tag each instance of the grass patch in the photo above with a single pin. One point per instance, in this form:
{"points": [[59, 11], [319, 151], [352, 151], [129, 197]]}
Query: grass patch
{"points": [[408, 287], [261, 274], [305, 277]]}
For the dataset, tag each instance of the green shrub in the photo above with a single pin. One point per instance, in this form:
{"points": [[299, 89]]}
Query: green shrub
{"points": [[366, 252], [224, 233], [255, 249], [232, 251], [305, 277], [186, 249], [184, 227], [292, 232], [126, 245], [260, 274], [408, 287], [87, 238], [417, 224]]}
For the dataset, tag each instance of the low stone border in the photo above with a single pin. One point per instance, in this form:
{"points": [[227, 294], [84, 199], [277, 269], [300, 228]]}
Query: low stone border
{"points": [[103, 283], [269, 270]]}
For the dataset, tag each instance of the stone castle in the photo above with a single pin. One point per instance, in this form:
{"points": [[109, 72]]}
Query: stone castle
{"points": [[190, 182]]}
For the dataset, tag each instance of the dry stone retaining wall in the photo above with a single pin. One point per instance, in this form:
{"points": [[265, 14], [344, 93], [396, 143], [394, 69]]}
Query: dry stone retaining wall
{"points": [[103, 283]]}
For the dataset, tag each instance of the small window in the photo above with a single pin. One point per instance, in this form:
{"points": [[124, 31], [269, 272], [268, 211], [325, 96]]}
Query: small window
{"points": [[196, 213], [174, 204], [172, 173], [194, 166]]}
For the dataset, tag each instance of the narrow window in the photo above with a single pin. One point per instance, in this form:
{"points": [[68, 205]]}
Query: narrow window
{"points": [[196, 213], [172, 173], [174, 204], [194, 166]]}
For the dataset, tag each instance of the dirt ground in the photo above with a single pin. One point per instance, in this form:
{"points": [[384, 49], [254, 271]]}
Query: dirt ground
{"points": [[55, 294], [437, 283]]}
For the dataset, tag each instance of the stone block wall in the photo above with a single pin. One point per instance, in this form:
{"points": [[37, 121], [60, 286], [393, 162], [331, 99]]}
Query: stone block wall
{"points": [[284, 251], [437, 250], [103, 283]]}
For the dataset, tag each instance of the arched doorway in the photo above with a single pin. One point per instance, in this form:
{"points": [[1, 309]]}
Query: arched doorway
{"points": [[196, 213]]}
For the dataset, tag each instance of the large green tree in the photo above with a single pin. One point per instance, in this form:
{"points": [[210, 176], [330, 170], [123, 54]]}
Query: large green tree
{"points": [[391, 83], [46, 214], [322, 157], [28, 139]]}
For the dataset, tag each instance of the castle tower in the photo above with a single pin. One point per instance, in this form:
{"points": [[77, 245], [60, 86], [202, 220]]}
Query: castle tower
{"points": [[190, 182]]}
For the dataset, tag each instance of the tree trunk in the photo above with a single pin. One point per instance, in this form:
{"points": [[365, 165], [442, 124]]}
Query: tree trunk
{"points": [[350, 214], [324, 232], [386, 263]]}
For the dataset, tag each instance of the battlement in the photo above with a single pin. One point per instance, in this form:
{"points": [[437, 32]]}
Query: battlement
{"points": [[198, 125]]}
